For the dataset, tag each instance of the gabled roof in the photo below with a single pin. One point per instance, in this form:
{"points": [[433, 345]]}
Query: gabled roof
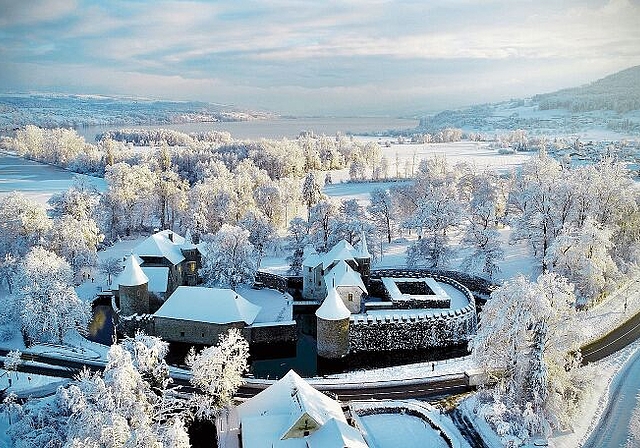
{"points": [[341, 251], [132, 275], [343, 275], [159, 245], [158, 277], [336, 434], [292, 397], [211, 305], [333, 308]]}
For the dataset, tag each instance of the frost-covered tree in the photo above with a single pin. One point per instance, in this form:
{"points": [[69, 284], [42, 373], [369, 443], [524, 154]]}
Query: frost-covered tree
{"points": [[118, 408], [49, 306], [528, 333], [217, 372], [261, 233], [79, 201], [298, 239], [433, 209], [481, 234], [381, 210], [311, 191], [76, 240], [321, 217], [23, 224], [582, 255], [229, 258], [111, 267]]}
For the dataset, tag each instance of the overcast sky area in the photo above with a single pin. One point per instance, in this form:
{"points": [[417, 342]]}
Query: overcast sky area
{"points": [[362, 57]]}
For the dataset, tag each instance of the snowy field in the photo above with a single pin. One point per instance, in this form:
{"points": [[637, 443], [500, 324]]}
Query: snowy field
{"points": [[393, 430]]}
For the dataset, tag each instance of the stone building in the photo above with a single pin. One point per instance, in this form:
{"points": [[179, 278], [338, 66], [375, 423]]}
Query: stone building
{"points": [[343, 262], [198, 315], [290, 413]]}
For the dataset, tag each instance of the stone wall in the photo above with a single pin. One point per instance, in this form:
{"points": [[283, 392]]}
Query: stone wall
{"points": [[192, 332], [268, 334], [272, 281], [412, 332]]}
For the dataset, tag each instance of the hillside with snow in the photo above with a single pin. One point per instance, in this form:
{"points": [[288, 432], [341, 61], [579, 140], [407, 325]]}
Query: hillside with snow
{"points": [[610, 105], [59, 110]]}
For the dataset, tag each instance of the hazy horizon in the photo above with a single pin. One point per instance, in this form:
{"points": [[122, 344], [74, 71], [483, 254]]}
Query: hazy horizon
{"points": [[357, 58]]}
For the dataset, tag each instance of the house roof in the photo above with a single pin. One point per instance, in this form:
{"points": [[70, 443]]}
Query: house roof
{"points": [[336, 434], [270, 415], [211, 305], [132, 275], [343, 275], [160, 245], [333, 308], [342, 250], [158, 277]]}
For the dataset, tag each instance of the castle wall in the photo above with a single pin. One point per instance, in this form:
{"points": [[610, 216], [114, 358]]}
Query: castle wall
{"points": [[193, 332], [273, 333], [412, 331], [333, 338]]}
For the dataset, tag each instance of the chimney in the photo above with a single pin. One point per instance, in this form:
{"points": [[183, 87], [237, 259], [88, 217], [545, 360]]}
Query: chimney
{"points": [[170, 235]]}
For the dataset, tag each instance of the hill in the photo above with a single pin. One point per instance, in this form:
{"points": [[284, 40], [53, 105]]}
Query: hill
{"points": [[60, 110], [610, 105]]}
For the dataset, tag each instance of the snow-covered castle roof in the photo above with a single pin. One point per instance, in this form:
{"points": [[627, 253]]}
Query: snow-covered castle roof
{"points": [[164, 244], [274, 416], [341, 251], [211, 305], [343, 275], [132, 274], [333, 308]]}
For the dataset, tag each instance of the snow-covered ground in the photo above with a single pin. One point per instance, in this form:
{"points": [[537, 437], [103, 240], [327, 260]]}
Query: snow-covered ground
{"points": [[407, 423]]}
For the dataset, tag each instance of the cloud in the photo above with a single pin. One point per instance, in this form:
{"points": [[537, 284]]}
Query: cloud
{"points": [[343, 54]]}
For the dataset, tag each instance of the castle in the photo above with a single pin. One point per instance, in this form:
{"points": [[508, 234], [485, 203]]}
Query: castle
{"points": [[407, 310], [157, 292]]}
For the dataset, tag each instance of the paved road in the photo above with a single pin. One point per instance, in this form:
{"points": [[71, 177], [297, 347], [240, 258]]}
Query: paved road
{"points": [[612, 342]]}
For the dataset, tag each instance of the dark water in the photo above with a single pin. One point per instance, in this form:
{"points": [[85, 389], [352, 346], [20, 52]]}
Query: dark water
{"points": [[101, 328], [276, 128], [275, 360]]}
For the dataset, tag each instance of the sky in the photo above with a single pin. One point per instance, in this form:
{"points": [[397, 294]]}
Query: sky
{"points": [[337, 58]]}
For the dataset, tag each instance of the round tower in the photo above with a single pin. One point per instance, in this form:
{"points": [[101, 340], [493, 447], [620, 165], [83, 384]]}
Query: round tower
{"points": [[133, 289], [363, 258], [333, 327]]}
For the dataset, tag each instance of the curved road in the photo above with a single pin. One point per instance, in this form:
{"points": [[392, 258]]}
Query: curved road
{"points": [[613, 427]]}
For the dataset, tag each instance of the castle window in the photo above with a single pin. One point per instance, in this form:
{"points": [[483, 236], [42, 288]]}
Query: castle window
{"points": [[202, 334], [306, 433], [309, 269], [182, 334], [350, 297], [191, 267]]}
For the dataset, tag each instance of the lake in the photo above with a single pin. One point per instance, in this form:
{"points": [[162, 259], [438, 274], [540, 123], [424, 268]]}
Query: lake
{"points": [[276, 128], [37, 180]]}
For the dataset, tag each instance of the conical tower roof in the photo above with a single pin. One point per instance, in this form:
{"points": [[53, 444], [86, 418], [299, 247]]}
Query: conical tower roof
{"points": [[333, 308], [132, 274]]}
